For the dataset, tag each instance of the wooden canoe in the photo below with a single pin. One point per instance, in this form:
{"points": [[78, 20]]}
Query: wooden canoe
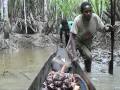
{"points": [[85, 83]]}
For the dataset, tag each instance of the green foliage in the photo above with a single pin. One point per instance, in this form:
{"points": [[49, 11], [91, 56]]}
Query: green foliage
{"points": [[99, 5], [65, 7], [70, 8], [57, 8]]}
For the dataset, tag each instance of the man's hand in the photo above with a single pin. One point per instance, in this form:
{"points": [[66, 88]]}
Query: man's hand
{"points": [[75, 59], [108, 28]]}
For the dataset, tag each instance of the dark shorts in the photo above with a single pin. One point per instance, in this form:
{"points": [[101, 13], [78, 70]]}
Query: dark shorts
{"points": [[84, 48]]}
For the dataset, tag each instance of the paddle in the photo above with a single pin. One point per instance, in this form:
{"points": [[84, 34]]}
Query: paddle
{"points": [[79, 71]]}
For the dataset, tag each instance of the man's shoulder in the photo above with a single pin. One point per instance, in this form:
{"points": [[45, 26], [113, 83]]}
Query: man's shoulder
{"points": [[77, 18], [95, 15]]}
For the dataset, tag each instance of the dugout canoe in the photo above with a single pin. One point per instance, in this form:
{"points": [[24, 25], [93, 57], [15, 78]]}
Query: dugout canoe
{"points": [[85, 82]]}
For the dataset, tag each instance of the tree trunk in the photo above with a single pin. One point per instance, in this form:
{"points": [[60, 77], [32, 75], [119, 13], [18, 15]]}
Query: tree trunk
{"points": [[6, 29], [25, 17], [5, 9], [45, 10], [1, 2], [6, 19]]}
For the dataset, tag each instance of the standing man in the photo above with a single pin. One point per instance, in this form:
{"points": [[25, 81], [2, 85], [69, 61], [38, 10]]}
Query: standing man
{"points": [[64, 29], [83, 29]]}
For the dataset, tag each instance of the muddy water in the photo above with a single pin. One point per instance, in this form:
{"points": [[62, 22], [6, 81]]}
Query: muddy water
{"points": [[101, 79], [20, 59], [25, 58]]}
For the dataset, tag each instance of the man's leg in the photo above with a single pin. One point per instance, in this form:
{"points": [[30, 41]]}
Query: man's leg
{"points": [[88, 65], [61, 32], [86, 54], [66, 38]]}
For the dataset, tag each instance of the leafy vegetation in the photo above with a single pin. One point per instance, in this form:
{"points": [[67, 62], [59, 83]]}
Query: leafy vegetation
{"points": [[70, 8], [65, 8], [57, 8], [99, 6]]}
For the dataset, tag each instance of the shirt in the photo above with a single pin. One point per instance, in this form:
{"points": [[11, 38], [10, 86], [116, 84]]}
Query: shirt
{"points": [[83, 30], [70, 23]]}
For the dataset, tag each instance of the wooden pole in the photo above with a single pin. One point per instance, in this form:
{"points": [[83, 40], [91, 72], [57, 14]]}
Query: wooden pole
{"points": [[112, 36]]}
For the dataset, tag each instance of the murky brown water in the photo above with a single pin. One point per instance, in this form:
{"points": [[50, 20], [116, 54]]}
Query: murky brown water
{"points": [[25, 58], [102, 79], [22, 58], [18, 68]]}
